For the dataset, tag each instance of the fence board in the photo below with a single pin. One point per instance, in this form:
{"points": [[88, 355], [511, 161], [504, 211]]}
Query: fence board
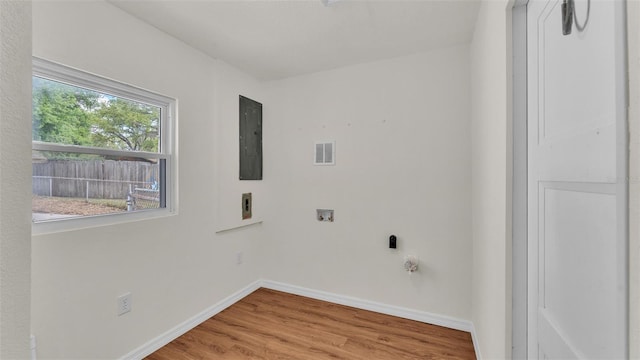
{"points": [[106, 179]]}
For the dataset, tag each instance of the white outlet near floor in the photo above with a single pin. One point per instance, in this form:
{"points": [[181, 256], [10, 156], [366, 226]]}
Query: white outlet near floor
{"points": [[239, 258], [124, 303]]}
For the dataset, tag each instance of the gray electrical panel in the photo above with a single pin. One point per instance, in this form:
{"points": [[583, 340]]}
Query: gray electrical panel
{"points": [[250, 139]]}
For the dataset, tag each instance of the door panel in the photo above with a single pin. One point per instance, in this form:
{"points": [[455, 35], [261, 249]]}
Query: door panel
{"points": [[579, 258], [568, 62], [576, 181], [577, 95]]}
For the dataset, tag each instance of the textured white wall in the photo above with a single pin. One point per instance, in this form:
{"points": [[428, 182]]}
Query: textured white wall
{"points": [[491, 161], [15, 170], [175, 267], [402, 136]]}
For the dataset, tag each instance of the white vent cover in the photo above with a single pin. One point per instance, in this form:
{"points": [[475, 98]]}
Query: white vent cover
{"points": [[325, 153]]}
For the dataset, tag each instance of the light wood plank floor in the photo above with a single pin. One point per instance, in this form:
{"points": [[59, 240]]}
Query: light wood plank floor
{"points": [[269, 324]]}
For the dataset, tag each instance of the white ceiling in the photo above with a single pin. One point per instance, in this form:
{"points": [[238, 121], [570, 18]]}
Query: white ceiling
{"points": [[272, 39]]}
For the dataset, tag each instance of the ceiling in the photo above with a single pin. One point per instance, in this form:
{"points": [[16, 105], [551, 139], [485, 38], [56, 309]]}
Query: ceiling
{"points": [[272, 39]]}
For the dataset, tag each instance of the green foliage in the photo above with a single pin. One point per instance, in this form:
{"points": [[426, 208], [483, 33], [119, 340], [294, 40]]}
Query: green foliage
{"points": [[125, 125], [58, 118], [70, 115]]}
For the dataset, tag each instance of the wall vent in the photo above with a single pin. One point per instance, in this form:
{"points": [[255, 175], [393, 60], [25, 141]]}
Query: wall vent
{"points": [[325, 153]]}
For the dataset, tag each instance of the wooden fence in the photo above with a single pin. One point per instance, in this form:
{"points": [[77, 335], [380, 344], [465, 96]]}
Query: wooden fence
{"points": [[96, 179]]}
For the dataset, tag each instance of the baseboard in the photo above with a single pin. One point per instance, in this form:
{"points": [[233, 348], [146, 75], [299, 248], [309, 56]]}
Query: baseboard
{"points": [[474, 339], [422, 316], [170, 335]]}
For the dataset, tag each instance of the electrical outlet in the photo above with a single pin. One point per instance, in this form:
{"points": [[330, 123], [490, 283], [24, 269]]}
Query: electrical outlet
{"points": [[239, 258], [124, 303]]}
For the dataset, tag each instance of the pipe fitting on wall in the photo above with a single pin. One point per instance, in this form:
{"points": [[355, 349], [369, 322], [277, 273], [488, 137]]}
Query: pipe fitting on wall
{"points": [[411, 264]]}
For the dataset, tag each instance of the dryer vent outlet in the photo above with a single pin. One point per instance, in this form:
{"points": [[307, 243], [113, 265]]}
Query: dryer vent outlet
{"points": [[246, 206]]}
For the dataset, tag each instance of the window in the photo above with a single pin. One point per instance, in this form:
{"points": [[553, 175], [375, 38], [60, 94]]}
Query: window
{"points": [[99, 147]]}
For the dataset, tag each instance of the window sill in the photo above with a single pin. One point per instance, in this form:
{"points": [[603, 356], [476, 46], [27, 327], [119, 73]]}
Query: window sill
{"points": [[87, 222]]}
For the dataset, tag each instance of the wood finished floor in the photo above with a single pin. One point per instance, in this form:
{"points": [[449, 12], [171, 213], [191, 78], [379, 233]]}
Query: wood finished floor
{"points": [[270, 324]]}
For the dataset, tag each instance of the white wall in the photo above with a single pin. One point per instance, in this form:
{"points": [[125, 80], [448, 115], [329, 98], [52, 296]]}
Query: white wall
{"points": [[491, 172], [175, 267], [402, 136], [15, 150]]}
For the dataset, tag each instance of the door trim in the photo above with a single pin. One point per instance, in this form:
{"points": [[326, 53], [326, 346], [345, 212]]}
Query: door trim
{"points": [[519, 253], [633, 53]]}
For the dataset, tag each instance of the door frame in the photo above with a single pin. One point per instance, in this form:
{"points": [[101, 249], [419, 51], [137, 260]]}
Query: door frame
{"points": [[519, 253], [633, 65]]}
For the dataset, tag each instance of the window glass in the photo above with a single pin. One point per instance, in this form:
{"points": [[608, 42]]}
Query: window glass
{"points": [[71, 115]]}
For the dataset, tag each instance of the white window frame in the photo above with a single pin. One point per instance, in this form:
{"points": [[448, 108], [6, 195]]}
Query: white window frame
{"points": [[60, 73]]}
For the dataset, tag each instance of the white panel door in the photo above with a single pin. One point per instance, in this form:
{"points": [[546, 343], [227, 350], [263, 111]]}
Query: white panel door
{"points": [[577, 212]]}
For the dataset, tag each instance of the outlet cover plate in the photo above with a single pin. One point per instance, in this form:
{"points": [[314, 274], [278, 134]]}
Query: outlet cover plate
{"points": [[124, 303]]}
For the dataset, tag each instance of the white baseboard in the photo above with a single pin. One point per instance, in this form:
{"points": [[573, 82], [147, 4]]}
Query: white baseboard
{"points": [[474, 339], [170, 335], [422, 316]]}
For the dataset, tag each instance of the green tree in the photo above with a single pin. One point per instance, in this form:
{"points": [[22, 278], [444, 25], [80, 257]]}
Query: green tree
{"points": [[126, 125], [60, 115], [71, 115]]}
